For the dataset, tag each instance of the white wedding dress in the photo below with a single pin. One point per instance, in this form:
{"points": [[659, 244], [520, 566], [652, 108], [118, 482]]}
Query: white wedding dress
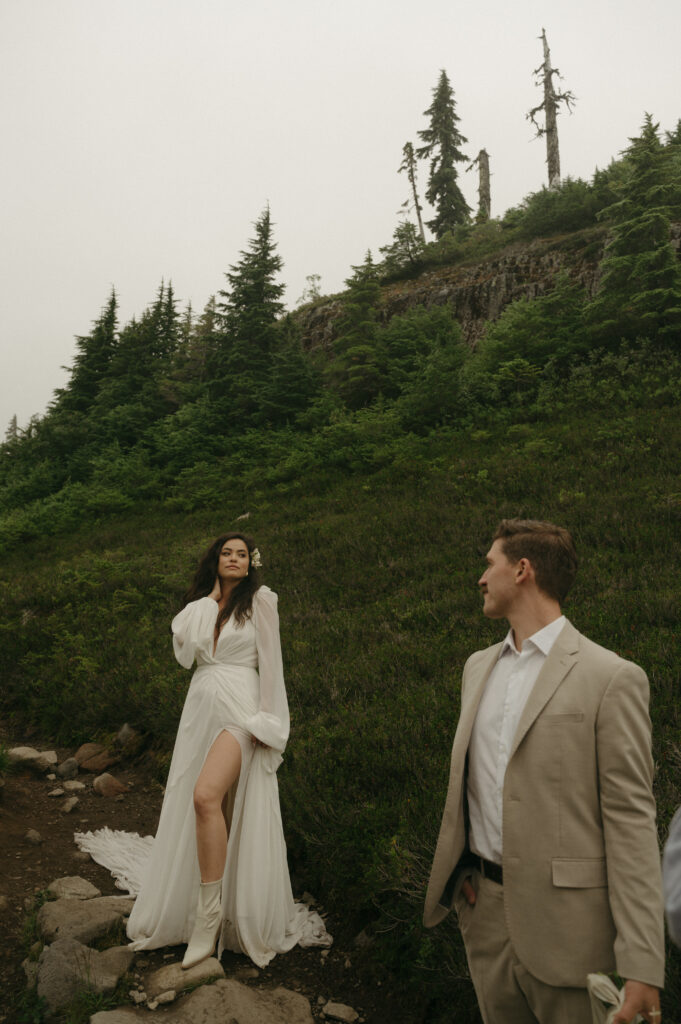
{"points": [[238, 686]]}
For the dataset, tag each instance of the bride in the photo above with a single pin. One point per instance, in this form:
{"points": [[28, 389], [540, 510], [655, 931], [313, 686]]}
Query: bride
{"points": [[217, 867]]}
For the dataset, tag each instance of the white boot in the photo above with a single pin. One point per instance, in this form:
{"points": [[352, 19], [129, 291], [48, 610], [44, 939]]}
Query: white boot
{"points": [[206, 925]]}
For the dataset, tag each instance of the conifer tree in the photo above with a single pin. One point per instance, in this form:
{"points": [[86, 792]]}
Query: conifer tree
{"points": [[442, 143], [95, 352], [640, 288], [247, 322], [356, 368]]}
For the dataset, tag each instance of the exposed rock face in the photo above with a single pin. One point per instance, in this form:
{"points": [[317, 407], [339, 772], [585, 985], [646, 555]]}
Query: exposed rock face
{"points": [[475, 292]]}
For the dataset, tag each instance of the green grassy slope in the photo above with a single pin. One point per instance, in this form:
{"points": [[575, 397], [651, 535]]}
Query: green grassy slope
{"points": [[376, 574]]}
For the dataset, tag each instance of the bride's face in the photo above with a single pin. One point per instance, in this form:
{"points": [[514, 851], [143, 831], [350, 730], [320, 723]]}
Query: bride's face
{"points": [[234, 560]]}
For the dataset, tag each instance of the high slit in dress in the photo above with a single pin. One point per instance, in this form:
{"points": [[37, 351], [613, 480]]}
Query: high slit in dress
{"points": [[238, 687]]}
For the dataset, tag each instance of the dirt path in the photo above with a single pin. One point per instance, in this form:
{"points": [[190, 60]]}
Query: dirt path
{"points": [[344, 975]]}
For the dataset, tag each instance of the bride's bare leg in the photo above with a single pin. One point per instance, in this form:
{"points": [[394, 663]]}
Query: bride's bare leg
{"points": [[219, 773]]}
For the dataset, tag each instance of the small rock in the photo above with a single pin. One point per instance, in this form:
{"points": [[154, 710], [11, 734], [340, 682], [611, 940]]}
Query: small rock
{"points": [[47, 759], [68, 769], [107, 785], [137, 997], [152, 1004], [87, 750], [4, 904], [69, 804], [72, 887], [57, 792], [30, 969], [348, 963], [339, 1011], [320, 1000], [166, 997], [129, 739], [35, 950], [23, 755], [173, 977], [246, 974], [33, 838], [50, 777], [364, 939], [73, 786], [324, 953], [93, 757], [82, 856]]}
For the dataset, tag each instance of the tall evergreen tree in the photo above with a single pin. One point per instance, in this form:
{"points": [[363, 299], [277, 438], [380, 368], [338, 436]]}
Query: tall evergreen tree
{"points": [[356, 368], [408, 165], [640, 288], [95, 352], [442, 143], [247, 322]]}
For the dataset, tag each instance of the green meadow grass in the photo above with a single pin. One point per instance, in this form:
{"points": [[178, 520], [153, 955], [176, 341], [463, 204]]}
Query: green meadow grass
{"points": [[376, 574]]}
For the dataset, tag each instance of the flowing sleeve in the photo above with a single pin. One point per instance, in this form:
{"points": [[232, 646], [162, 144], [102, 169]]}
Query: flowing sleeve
{"points": [[193, 630], [271, 722]]}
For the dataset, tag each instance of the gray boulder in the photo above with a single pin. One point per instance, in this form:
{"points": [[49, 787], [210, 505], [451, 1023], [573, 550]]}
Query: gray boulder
{"points": [[83, 920], [72, 887], [173, 978], [226, 1001], [68, 769], [67, 965]]}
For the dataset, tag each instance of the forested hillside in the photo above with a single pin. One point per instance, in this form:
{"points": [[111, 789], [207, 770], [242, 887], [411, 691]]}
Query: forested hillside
{"points": [[372, 473]]}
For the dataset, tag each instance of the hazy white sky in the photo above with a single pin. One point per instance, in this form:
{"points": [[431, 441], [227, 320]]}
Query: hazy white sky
{"points": [[141, 138]]}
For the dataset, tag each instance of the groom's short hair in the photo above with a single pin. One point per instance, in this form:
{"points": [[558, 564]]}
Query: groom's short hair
{"points": [[550, 550]]}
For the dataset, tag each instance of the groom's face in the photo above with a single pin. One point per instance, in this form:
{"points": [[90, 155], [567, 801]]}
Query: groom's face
{"points": [[497, 583]]}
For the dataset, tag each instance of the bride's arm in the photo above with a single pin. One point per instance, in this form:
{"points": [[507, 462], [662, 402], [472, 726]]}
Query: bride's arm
{"points": [[271, 722], [193, 629]]}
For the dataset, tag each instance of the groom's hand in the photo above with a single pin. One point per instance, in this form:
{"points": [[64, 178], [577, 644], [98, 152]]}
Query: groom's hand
{"points": [[639, 998], [470, 897]]}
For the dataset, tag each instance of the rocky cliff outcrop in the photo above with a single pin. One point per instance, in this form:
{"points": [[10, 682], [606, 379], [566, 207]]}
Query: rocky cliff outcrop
{"points": [[479, 292]]}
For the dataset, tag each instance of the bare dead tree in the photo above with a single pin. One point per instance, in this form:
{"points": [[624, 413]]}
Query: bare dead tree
{"points": [[409, 165], [484, 190], [552, 99]]}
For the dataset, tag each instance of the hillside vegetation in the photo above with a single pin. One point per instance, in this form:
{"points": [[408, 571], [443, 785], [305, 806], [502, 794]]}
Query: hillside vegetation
{"points": [[372, 484]]}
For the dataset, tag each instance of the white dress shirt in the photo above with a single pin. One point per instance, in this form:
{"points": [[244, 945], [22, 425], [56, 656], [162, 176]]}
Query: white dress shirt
{"points": [[508, 688]]}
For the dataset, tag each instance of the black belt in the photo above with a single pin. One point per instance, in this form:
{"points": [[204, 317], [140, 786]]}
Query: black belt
{"points": [[488, 869]]}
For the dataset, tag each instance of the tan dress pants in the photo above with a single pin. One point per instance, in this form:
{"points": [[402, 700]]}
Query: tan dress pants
{"points": [[507, 993]]}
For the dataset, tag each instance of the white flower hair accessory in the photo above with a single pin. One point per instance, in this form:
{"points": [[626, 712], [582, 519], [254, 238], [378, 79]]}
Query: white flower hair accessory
{"points": [[255, 559]]}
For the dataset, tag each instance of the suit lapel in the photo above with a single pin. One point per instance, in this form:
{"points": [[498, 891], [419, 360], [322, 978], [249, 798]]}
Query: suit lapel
{"points": [[475, 687], [557, 665]]}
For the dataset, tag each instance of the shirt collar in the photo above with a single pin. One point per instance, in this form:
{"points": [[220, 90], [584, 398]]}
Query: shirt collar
{"points": [[543, 639]]}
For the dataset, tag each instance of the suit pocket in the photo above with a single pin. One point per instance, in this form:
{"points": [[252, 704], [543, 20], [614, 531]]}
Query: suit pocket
{"points": [[567, 716], [573, 873]]}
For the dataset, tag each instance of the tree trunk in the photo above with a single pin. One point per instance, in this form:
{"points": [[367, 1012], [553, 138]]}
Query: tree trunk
{"points": [[550, 111]]}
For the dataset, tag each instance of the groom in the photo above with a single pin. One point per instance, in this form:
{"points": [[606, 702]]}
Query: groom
{"points": [[548, 847]]}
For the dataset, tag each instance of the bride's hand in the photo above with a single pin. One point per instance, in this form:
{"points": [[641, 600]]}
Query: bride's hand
{"points": [[216, 592]]}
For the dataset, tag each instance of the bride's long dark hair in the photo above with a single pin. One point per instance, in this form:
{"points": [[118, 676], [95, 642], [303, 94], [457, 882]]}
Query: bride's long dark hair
{"points": [[240, 602]]}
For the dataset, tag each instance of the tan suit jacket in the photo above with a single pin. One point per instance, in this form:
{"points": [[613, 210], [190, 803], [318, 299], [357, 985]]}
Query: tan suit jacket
{"points": [[582, 887]]}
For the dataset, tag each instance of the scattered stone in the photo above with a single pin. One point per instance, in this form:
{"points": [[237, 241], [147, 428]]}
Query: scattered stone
{"points": [[152, 1004], [348, 963], [339, 1011], [364, 939], [33, 838], [57, 792], [81, 855], [69, 804], [35, 950], [324, 953], [173, 977], [137, 996], [73, 786], [83, 920], [4, 904], [87, 750], [66, 965], [246, 974], [72, 887], [68, 769], [320, 1000], [30, 968], [29, 904], [226, 1001], [129, 739], [93, 757], [51, 777], [166, 997], [108, 785], [29, 757]]}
